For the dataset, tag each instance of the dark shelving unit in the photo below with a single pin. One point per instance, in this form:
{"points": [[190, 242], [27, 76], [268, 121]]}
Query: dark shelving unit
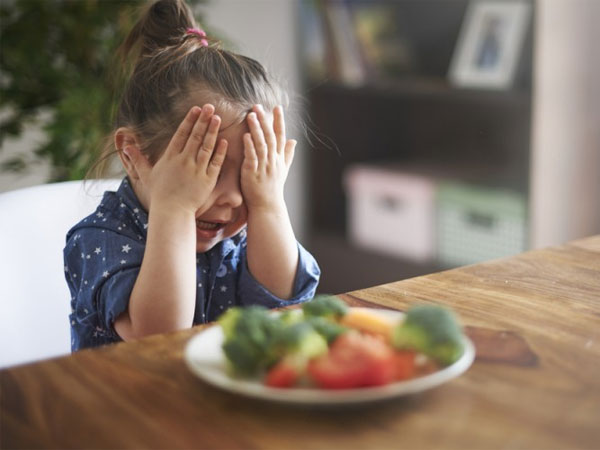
{"points": [[415, 121]]}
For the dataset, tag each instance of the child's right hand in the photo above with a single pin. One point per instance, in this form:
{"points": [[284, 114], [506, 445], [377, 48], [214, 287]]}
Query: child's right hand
{"points": [[187, 172]]}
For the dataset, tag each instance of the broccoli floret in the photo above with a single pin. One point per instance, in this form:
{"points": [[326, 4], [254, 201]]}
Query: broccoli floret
{"points": [[328, 329], [228, 319], [326, 306], [432, 330], [296, 344], [299, 339], [248, 336], [291, 316]]}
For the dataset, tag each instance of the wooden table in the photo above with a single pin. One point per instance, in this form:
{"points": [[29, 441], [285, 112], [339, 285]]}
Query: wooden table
{"points": [[535, 320]]}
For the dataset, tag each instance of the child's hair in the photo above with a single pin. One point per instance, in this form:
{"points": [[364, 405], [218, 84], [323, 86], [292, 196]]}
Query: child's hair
{"points": [[174, 67]]}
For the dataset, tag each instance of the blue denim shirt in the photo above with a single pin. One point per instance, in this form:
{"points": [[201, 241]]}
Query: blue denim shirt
{"points": [[103, 255]]}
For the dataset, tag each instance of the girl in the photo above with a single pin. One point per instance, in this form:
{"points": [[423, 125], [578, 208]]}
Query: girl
{"points": [[199, 223]]}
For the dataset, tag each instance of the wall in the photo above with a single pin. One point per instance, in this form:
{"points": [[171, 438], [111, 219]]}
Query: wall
{"points": [[565, 182]]}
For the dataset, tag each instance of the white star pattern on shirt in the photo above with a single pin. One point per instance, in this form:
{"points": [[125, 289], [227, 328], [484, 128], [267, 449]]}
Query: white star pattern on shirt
{"points": [[99, 214], [219, 268]]}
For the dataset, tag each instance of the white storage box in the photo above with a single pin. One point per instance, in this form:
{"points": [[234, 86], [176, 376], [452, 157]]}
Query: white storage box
{"points": [[477, 224], [391, 212]]}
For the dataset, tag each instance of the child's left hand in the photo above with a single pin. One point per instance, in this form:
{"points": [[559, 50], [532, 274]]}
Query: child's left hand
{"points": [[268, 156]]}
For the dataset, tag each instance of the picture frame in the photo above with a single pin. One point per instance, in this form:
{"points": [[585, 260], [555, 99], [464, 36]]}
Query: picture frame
{"points": [[489, 44]]}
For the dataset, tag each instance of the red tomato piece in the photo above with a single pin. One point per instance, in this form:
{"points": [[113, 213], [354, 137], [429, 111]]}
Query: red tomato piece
{"points": [[354, 360], [282, 375], [404, 362], [330, 373]]}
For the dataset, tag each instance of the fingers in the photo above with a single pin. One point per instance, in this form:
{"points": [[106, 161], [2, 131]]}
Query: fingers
{"points": [[288, 152], [216, 162], [203, 150], [250, 156], [267, 138], [279, 127], [182, 133], [258, 137], [266, 125], [201, 129]]}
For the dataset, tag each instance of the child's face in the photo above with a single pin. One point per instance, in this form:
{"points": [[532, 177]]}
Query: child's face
{"points": [[225, 213]]}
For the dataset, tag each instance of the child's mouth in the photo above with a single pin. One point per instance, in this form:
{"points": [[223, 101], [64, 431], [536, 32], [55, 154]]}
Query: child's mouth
{"points": [[208, 230], [208, 225]]}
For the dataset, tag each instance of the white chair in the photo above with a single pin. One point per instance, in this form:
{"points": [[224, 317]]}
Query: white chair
{"points": [[34, 297]]}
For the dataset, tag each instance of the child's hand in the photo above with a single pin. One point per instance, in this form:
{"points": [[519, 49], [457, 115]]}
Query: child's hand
{"points": [[267, 159], [187, 172]]}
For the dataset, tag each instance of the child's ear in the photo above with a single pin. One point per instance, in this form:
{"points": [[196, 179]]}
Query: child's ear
{"points": [[128, 146]]}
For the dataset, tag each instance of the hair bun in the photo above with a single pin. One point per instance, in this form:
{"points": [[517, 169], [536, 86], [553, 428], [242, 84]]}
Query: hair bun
{"points": [[161, 24]]}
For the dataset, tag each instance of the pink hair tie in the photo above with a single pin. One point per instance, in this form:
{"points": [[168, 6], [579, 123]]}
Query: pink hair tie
{"points": [[200, 33]]}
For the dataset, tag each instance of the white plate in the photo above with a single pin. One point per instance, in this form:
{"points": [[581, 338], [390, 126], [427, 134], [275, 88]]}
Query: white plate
{"points": [[204, 356]]}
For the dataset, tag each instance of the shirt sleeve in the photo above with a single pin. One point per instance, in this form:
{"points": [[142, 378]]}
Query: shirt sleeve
{"points": [[251, 292], [101, 267]]}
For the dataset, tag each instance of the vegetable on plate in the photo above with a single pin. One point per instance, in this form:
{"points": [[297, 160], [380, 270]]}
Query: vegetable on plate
{"points": [[328, 345]]}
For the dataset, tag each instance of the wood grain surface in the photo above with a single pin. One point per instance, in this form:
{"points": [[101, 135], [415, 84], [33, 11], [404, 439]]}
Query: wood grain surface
{"points": [[535, 384]]}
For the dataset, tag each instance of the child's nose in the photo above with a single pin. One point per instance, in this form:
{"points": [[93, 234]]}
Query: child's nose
{"points": [[229, 192]]}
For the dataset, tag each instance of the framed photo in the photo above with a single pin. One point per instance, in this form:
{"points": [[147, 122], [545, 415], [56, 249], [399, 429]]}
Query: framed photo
{"points": [[489, 44]]}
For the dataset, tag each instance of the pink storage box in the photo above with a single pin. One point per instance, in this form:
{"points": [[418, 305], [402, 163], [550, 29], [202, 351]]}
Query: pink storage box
{"points": [[391, 211]]}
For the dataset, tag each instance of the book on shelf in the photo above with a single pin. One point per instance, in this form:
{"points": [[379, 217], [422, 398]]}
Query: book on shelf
{"points": [[354, 42], [346, 55], [313, 44], [386, 50]]}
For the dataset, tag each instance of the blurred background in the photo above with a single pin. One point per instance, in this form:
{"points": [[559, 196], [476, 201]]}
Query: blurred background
{"points": [[433, 133]]}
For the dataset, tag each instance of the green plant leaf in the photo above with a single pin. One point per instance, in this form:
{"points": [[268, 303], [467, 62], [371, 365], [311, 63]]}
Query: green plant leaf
{"points": [[56, 56]]}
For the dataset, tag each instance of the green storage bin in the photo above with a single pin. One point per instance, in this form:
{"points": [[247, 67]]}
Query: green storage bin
{"points": [[477, 224]]}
